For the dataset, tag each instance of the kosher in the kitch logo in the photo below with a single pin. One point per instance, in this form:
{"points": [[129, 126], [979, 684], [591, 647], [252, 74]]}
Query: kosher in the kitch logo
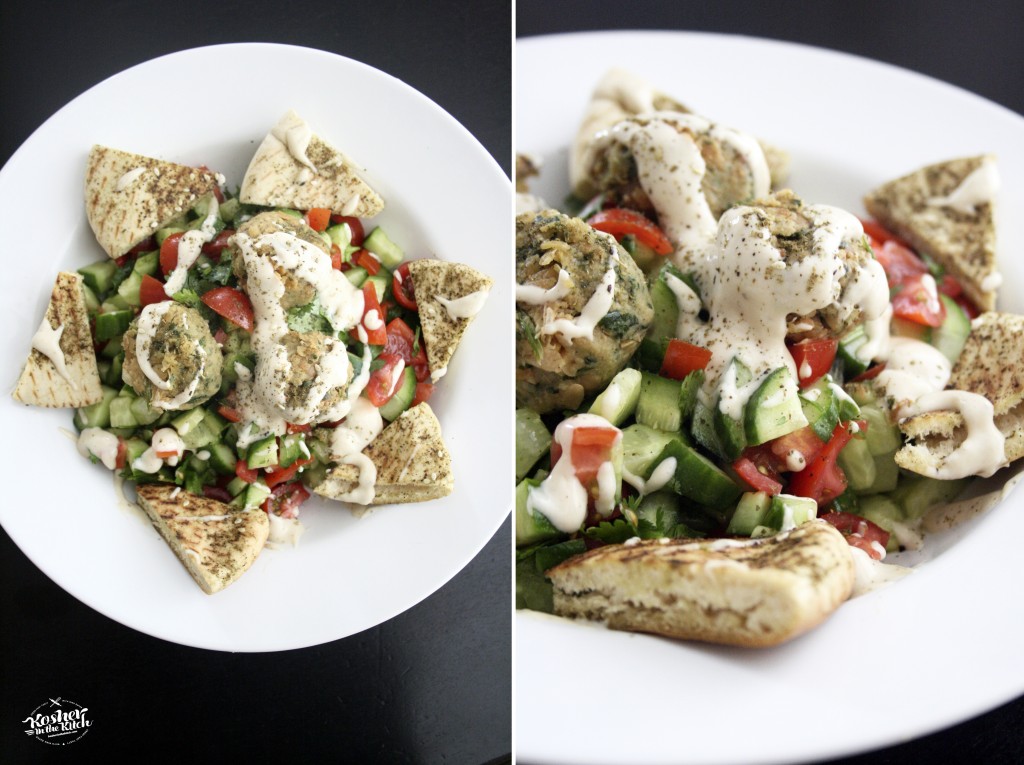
{"points": [[58, 722]]}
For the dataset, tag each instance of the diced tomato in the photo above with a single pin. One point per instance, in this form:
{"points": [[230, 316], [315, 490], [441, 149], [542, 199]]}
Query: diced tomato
{"points": [[146, 245], [823, 480], [229, 413], [285, 499], [122, 454], [900, 263], [318, 218], [682, 357], [918, 301], [813, 359], [278, 475], [169, 253], [216, 247], [336, 259], [292, 428], [619, 222], [591, 448], [869, 374], [950, 286], [401, 342], [403, 288], [860, 532], [373, 319], [166, 455], [216, 492], [354, 225], [247, 474], [151, 291], [367, 260], [424, 391], [804, 441], [969, 308], [384, 381], [759, 481], [880, 233], [232, 304]]}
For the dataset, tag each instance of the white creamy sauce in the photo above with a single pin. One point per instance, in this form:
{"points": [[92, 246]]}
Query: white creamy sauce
{"points": [[912, 369], [190, 247], [561, 498], [687, 302], [606, 486], [983, 450], [611, 400], [363, 492], [595, 309], [978, 188], [358, 430], [795, 461], [165, 441], [660, 476], [437, 374], [295, 133], [465, 307], [148, 321], [351, 205], [533, 295], [871, 574], [98, 443], [991, 282], [46, 340], [284, 530], [129, 178]]}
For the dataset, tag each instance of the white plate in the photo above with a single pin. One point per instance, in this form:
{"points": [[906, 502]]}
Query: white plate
{"points": [[445, 195], [936, 648]]}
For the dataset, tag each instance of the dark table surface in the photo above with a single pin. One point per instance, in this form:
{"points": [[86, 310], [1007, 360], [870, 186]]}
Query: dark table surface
{"points": [[349, 700], [973, 46]]}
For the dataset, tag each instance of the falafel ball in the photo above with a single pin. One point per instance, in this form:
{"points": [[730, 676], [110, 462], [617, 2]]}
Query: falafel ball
{"points": [[180, 352], [565, 351]]}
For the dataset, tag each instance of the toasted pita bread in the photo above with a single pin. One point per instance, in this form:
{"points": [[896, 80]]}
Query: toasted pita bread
{"points": [[43, 382], [961, 240], [216, 542], [752, 592], [280, 178], [434, 281], [413, 464], [620, 95], [128, 196], [989, 365]]}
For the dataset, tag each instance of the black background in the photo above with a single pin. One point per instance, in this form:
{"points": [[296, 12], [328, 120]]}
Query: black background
{"points": [[352, 700], [974, 45]]}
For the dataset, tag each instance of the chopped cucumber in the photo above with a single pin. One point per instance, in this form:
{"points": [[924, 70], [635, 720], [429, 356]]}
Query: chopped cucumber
{"points": [[96, 415], [380, 284], [642, 446], [663, 327], [618, 401], [688, 393], [389, 253], [401, 399], [357, 275], [730, 429], [884, 513], [112, 324], [531, 527], [262, 453], [882, 436], [849, 349], [749, 514], [658, 516], [99, 276], [819, 406], [293, 448], [340, 234], [698, 478], [658, 403], [532, 441], [222, 458], [787, 512], [858, 464], [951, 336], [92, 302], [917, 495], [774, 409]]}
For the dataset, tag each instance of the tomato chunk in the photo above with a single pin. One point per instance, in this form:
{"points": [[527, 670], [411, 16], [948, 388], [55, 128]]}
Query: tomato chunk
{"points": [[619, 222], [899, 262], [151, 291], [385, 379], [284, 499], [813, 359], [749, 471], [278, 475], [424, 391], [373, 318], [169, 253], [232, 304], [219, 243], [918, 301], [367, 260], [318, 218], [682, 357], [860, 532], [823, 480], [402, 288], [401, 341]]}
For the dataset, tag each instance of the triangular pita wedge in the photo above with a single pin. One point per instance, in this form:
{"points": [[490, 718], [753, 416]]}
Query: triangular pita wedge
{"points": [[128, 196], [412, 462], [751, 592], [73, 379], [989, 365], [620, 95], [941, 216], [216, 542], [294, 167], [443, 322]]}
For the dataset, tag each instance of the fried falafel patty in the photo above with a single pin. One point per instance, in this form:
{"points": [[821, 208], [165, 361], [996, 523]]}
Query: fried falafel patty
{"points": [[582, 308]]}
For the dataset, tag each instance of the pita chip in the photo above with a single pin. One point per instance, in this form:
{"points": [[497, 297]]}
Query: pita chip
{"points": [[217, 543], [448, 297], [294, 167], [61, 367], [945, 211], [411, 460], [129, 196]]}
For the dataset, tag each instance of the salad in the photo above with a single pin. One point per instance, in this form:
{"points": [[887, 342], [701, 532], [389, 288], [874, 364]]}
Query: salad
{"points": [[236, 353], [730, 396]]}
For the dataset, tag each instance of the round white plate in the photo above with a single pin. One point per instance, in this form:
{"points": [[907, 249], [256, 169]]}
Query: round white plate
{"points": [[935, 648], [445, 196]]}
